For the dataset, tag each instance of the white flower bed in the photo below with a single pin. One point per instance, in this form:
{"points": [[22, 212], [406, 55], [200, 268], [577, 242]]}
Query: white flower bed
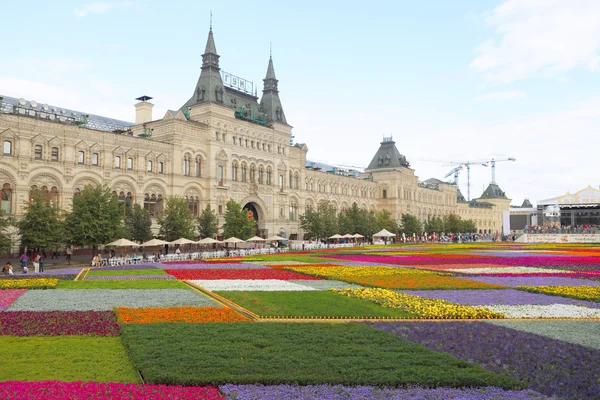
{"points": [[506, 270], [267, 285], [326, 284], [547, 311]]}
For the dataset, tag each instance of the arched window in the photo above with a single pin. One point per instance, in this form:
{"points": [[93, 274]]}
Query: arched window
{"points": [[186, 166], [234, 171], [95, 158], [192, 203], [117, 162], [121, 201], [149, 166], [128, 202], [76, 193], [153, 204], [159, 205], [261, 174], [293, 211], [268, 175], [252, 173], [130, 163], [80, 157], [198, 169], [53, 197], [161, 168], [7, 148], [6, 199], [290, 179], [244, 177], [38, 152], [54, 155]]}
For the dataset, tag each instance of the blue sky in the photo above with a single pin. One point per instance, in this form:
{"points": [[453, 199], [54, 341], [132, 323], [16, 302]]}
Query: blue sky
{"points": [[449, 80]]}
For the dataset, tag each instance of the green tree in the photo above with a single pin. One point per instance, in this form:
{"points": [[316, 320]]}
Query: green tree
{"points": [[41, 227], [411, 225], [468, 226], [384, 220], [328, 215], [208, 225], [96, 217], [177, 221], [311, 224], [452, 223], [434, 225], [5, 242], [138, 224], [237, 224]]}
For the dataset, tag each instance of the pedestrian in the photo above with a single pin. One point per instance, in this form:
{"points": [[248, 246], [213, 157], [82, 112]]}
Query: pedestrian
{"points": [[177, 251], [25, 270], [42, 258], [23, 259], [6, 268], [69, 252], [54, 255], [99, 260], [94, 261], [36, 263]]}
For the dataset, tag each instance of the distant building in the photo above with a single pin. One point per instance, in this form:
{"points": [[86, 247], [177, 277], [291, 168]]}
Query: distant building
{"points": [[578, 209]]}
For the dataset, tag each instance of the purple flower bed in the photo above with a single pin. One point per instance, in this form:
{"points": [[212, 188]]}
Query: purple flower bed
{"points": [[213, 266], [550, 366], [128, 267], [339, 392], [125, 277], [7, 296], [509, 297], [65, 271], [58, 323], [68, 277], [534, 281]]}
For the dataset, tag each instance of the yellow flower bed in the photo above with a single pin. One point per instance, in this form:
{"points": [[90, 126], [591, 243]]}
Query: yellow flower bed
{"points": [[353, 272], [591, 293], [420, 306], [33, 283]]}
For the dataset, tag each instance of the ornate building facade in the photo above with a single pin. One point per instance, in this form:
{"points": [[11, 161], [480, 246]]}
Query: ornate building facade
{"points": [[223, 143]]}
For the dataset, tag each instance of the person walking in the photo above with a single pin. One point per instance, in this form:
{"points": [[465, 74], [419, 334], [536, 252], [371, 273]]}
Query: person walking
{"points": [[54, 255], [69, 252], [36, 263], [23, 259], [41, 262]]}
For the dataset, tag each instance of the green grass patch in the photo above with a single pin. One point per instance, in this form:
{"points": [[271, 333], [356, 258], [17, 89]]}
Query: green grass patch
{"points": [[65, 358], [127, 272], [294, 353], [311, 303], [128, 284]]}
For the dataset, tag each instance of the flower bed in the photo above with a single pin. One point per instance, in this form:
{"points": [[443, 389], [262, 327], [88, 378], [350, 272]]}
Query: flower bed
{"points": [[548, 311], [8, 296], [548, 273], [178, 314], [514, 281], [222, 265], [550, 366], [128, 267], [577, 292], [60, 277], [333, 271], [584, 333], [58, 323], [419, 306], [254, 274], [339, 392], [125, 277], [34, 283], [228, 260], [55, 390], [268, 285], [106, 299], [125, 272], [123, 284], [505, 271], [327, 284]]}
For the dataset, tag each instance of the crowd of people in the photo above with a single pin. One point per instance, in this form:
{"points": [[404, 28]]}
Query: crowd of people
{"points": [[558, 229]]}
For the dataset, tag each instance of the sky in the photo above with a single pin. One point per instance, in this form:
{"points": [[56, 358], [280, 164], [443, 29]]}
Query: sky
{"points": [[448, 80]]}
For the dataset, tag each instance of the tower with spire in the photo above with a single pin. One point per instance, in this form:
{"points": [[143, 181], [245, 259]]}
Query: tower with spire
{"points": [[270, 104]]}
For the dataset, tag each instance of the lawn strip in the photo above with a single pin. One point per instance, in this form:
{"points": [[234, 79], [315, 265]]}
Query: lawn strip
{"points": [[122, 284], [126, 272]]}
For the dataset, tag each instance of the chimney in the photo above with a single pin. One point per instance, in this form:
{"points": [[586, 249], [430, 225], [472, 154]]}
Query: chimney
{"points": [[143, 110]]}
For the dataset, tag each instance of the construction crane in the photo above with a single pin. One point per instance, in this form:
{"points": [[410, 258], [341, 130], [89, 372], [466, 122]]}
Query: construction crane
{"points": [[455, 171], [493, 162], [468, 164]]}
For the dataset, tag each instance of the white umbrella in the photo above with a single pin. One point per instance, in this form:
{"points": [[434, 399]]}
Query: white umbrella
{"points": [[207, 241], [122, 243], [348, 236], [274, 239], [255, 239], [154, 242], [233, 239], [357, 236], [384, 233], [336, 236], [182, 241]]}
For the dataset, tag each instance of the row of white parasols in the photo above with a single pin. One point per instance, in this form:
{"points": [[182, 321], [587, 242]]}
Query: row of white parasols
{"points": [[181, 241]]}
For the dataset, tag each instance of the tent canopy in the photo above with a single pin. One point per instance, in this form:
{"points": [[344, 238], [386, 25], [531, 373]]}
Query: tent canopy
{"points": [[255, 239], [348, 236], [274, 239], [384, 233], [122, 243], [181, 241], [336, 236], [357, 236], [154, 242], [233, 239], [207, 241]]}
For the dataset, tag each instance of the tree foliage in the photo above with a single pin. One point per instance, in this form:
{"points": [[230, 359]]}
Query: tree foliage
{"points": [[42, 226], [384, 220], [5, 242], [208, 224], [177, 221], [138, 224], [320, 223], [237, 224], [451, 223], [411, 225], [96, 218]]}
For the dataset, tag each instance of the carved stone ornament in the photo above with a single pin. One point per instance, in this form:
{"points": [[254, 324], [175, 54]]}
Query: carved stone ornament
{"points": [[253, 188]]}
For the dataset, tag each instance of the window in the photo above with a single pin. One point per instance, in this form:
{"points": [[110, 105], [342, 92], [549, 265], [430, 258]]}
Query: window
{"points": [[252, 143], [94, 158], [246, 142], [278, 150], [80, 157], [38, 152], [192, 203], [198, 167], [130, 163], [261, 174], [234, 171], [186, 166], [291, 177], [149, 166], [54, 154], [263, 145], [220, 210], [252, 173], [269, 148], [244, 172], [117, 162], [220, 175], [293, 212], [268, 176], [7, 148], [234, 140], [6, 199], [153, 204], [161, 169], [384, 194], [280, 182]]}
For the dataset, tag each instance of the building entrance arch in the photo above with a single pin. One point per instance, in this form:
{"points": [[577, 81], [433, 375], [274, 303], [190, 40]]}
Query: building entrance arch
{"points": [[255, 212]]}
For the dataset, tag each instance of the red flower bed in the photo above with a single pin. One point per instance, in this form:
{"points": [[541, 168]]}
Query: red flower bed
{"points": [[229, 261], [193, 274]]}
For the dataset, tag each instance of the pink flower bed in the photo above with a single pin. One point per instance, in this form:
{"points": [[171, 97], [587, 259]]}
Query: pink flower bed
{"points": [[570, 274], [58, 323], [231, 260], [254, 274], [55, 390], [8, 296]]}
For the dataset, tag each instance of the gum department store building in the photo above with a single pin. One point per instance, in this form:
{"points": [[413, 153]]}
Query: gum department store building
{"points": [[223, 143]]}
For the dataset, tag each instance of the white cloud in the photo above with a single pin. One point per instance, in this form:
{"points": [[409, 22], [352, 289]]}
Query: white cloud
{"points": [[539, 38], [514, 94], [100, 8]]}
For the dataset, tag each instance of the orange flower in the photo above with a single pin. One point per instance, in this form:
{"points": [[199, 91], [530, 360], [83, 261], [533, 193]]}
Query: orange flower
{"points": [[177, 314]]}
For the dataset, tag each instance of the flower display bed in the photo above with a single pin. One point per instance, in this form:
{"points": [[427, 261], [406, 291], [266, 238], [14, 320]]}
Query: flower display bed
{"points": [[178, 314], [576, 292], [54, 390], [268, 273], [123, 284], [127, 277], [126, 272], [8, 296], [58, 323], [222, 265], [514, 281], [548, 311], [251, 285], [65, 358], [339, 392], [34, 283], [584, 333], [508, 297], [128, 267], [547, 365], [106, 299], [327, 284], [301, 353], [418, 307], [506, 271], [310, 304]]}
